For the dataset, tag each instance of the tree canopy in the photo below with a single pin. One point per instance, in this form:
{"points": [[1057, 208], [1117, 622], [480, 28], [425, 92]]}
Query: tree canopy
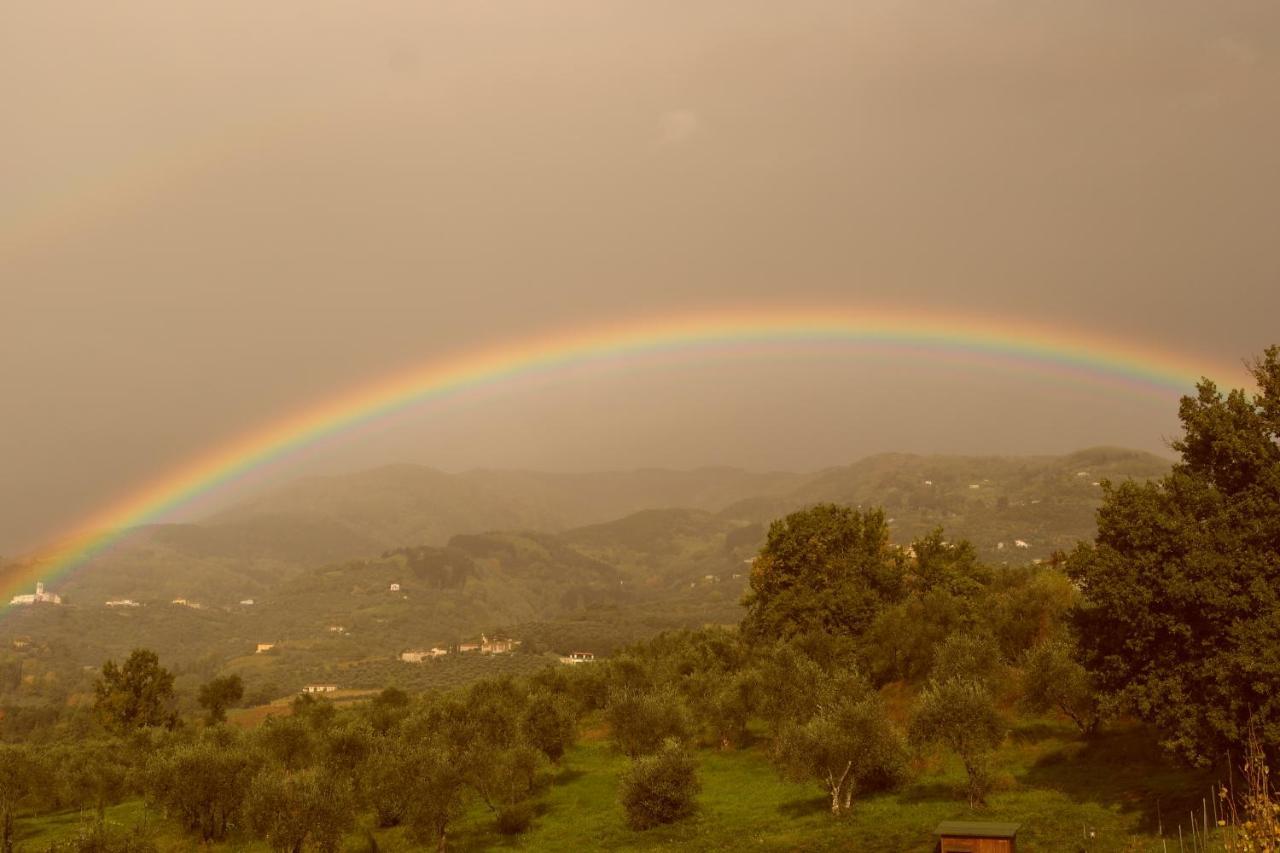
{"points": [[826, 568], [1182, 616], [135, 694]]}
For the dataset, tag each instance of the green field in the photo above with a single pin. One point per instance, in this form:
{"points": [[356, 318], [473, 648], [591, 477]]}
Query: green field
{"points": [[1059, 787]]}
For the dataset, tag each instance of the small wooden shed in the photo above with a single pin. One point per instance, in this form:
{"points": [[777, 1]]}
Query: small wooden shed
{"points": [[966, 836]]}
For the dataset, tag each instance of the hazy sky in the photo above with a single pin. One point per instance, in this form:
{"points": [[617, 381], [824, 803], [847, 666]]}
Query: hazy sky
{"points": [[211, 214]]}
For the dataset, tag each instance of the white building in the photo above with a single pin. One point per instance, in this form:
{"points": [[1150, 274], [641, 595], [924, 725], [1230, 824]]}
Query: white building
{"points": [[247, 602], [395, 587], [264, 647], [578, 657], [40, 597], [419, 655], [320, 688], [121, 602]]}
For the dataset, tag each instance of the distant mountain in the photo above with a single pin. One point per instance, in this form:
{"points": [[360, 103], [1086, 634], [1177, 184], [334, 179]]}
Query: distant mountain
{"points": [[320, 557], [1046, 502], [655, 525]]}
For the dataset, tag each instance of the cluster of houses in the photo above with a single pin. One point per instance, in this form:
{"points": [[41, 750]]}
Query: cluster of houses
{"points": [[39, 597], [486, 646]]}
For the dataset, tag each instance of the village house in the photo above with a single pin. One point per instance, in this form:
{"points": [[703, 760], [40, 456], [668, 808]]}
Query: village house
{"points": [[395, 587], [121, 602], [264, 647], [577, 657], [419, 655], [40, 597], [246, 602], [182, 602], [486, 646], [497, 646], [320, 688], [337, 629]]}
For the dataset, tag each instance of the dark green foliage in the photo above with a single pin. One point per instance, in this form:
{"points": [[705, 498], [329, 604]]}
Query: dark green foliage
{"points": [[311, 808], [287, 741], [968, 657], [515, 818], [848, 745], [641, 720], [203, 784], [19, 778], [949, 566], [1182, 586], [828, 568], [660, 788], [436, 791], [220, 694], [139, 693], [549, 723], [1053, 680], [961, 715]]}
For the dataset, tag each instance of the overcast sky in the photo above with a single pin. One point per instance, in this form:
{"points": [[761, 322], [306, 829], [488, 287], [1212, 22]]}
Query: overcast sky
{"points": [[212, 214]]}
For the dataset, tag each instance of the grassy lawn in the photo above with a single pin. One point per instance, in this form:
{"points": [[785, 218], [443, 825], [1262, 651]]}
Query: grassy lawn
{"points": [[1056, 785]]}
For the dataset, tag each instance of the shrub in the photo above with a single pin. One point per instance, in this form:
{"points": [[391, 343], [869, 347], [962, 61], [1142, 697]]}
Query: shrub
{"points": [[641, 721], [515, 818], [660, 788]]}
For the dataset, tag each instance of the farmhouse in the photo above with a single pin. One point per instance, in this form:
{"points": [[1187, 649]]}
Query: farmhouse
{"points": [[419, 655], [395, 587], [121, 602], [320, 688], [486, 646], [264, 647], [578, 657]]}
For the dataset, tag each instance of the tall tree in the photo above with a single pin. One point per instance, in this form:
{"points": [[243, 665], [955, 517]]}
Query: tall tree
{"points": [[219, 694], [136, 694], [961, 715], [1181, 620], [826, 568]]}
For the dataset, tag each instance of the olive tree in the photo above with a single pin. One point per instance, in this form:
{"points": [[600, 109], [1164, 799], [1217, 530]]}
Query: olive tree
{"points": [[961, 715]]}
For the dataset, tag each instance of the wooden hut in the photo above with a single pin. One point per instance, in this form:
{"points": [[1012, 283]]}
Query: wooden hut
{"points": [[965, 836]]}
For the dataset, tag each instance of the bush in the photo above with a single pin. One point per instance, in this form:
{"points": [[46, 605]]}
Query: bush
{"points": [[515, 818], [641, 722], [660, 788]]}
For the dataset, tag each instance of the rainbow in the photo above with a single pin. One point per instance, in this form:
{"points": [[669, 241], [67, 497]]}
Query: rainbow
{"points": [[1024, 346]]}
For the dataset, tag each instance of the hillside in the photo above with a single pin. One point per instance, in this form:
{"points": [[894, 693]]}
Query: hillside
{"points": [[654, 524]]}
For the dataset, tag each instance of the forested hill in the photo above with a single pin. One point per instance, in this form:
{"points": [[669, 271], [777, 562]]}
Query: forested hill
{"points": [[621, 518]]}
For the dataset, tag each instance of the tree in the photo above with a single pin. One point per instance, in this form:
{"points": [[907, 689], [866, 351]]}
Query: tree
{"points": [[139, 693], [1053, 680], [549, 724], [1181, 619], [828, 568], [961, 715], [641, 721], [293, 810], [287, 741], [972, 657], [202, 784], [220, 694], [660, 788], [18, 775], [849, 744], [437, 792]]}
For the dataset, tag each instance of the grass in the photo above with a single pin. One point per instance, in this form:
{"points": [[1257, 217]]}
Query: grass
{"points": [[1058, 786]]}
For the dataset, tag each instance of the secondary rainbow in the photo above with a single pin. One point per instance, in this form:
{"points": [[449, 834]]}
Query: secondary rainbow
{"points": [[689, 336]]}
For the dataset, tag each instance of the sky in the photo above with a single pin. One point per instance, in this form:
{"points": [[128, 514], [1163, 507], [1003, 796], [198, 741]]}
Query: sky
{"points": [[212, 215]]}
